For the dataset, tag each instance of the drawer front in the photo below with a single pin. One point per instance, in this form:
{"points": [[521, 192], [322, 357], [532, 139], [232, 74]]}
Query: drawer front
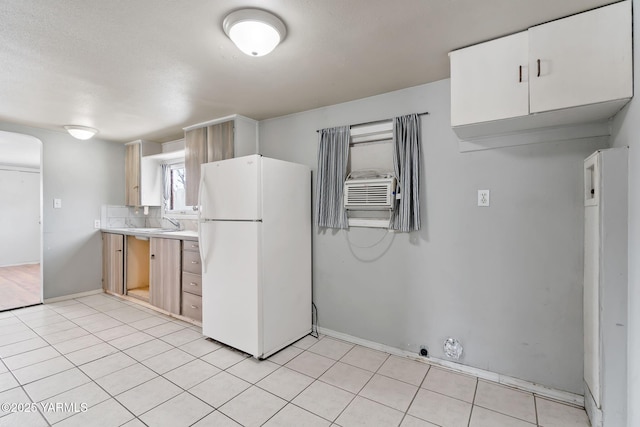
{"points": [[191, 262], [192, 306], [190, 245], [191, 283]]}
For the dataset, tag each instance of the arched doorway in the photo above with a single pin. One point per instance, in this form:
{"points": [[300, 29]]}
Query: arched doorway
{"points": [[20, 220]]}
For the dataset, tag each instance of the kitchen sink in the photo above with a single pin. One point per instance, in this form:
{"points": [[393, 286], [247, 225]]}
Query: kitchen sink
{"points": [[151, 230]]}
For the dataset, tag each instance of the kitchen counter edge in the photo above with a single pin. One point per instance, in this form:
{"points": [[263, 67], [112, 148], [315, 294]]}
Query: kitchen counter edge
{"points": [[180, 235]]}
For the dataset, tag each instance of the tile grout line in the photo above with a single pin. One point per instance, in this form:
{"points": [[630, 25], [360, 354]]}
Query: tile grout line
{"points": [[473, 402], [22, 385], [74, 365], [92, 380], [46, 311]]}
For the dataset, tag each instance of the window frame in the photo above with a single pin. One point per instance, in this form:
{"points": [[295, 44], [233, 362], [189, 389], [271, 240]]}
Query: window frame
{"points": [[189, 212]]}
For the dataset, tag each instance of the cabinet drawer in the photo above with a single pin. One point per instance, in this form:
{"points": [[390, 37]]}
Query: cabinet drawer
{"points": [[190, 245], [191, 283], [192, 306], [191, 262]]}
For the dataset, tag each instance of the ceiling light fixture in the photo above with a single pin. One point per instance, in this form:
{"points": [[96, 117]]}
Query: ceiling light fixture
{"points": [[81, 132], [254, 31]]}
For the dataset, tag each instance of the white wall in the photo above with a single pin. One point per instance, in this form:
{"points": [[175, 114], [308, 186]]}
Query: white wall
{"points": [[19, 216], [85, 175], [626, 132], [505, 280]]}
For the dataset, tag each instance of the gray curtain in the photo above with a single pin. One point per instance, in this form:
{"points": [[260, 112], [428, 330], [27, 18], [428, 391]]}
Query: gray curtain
{"points": [[408, 169], [333, 154]]}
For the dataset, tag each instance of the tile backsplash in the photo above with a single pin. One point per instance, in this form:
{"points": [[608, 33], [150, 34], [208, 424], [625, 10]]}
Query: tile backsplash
{"points": [[114, 216]]}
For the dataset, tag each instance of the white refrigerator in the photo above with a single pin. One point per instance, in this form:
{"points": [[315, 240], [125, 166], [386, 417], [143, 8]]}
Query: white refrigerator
{"points": [[255, 245]]}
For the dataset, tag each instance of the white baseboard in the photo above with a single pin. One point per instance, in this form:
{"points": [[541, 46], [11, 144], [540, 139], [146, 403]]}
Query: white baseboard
{"points": [[540, 390], [72, 296], [593, 412]]}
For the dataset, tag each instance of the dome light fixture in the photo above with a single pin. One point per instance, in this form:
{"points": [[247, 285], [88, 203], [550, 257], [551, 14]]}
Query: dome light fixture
{"points": [[255, 32], [81, 132]]}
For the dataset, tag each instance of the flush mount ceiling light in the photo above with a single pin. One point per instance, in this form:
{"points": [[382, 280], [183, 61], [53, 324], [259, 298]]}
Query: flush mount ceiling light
{"points": [[81, 132], [254, 31]]}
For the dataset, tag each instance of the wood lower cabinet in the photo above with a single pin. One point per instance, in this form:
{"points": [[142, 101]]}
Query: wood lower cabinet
{"points": [[191, 281], [165, 274], [113, 263]]}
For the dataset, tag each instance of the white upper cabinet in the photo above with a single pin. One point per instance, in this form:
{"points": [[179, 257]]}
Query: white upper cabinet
{"points": [[573, 70], [489, 80], [582, 59]]}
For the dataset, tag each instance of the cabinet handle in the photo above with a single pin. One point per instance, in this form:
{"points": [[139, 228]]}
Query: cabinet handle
{"points": [[194, 246], [193, 284], [520, 74], [118, 250], [194, 262], [538, 68], [153, 256], [194, 306]]}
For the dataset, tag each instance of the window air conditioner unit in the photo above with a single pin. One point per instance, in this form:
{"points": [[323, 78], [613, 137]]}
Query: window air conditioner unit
{"points": [[369, 194]]}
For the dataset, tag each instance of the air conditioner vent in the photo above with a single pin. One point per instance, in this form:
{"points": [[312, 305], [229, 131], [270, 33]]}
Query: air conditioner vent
{"points": [[369, 194]]}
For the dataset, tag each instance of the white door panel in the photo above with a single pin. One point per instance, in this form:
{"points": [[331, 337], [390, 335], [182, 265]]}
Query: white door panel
{"points": [[592, 302], [489, 81], [230, 189], [230, 284], [583, 59]]}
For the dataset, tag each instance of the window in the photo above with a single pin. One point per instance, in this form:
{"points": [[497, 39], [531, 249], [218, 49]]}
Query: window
{"points": [[174, 201], [371, 149]]}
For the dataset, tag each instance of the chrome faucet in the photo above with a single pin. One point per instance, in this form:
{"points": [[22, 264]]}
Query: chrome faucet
{"points": [[174, 222]]}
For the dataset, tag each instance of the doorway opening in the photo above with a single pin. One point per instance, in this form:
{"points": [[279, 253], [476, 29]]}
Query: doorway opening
{"points": [[20, 220]]}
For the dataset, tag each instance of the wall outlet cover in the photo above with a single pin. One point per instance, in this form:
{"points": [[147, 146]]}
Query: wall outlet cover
{"points": [[483, 198]]}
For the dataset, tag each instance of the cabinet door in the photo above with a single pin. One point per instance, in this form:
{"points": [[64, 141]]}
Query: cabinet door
{"points": [[583, 59], [164, 274], [195, 153], [489, 81], [203, 145], [220, 141], [113, 262], [132, 174]]}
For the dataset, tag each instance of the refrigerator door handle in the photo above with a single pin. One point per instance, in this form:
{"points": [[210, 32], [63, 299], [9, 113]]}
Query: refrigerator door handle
{"points": [[201, 248], [201, 186], [201, 242]]}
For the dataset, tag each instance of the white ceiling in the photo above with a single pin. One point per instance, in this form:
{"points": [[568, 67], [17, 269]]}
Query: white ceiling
{"points": [[147, 68]]}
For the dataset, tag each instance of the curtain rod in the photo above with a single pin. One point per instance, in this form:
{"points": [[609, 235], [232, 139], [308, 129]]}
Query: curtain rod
{"points": [[375, 121]]}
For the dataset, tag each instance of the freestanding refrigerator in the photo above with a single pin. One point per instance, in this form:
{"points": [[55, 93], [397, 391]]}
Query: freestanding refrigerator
{"points": [[255, 245]]}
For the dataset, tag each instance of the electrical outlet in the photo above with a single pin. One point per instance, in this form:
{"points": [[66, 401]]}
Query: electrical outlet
{"points": [[96, 223], [57, 203], [483, 198]]}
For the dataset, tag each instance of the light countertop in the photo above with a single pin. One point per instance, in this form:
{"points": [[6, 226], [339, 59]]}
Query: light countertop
{"points": [[154, 232]]}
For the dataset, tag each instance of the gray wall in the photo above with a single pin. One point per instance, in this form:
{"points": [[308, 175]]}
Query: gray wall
{"points": [[626, 132], [19, 216], [85, 175], [505, 280]]}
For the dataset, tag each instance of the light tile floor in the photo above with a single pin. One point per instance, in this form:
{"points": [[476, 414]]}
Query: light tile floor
{"points": [[101, 361]]}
